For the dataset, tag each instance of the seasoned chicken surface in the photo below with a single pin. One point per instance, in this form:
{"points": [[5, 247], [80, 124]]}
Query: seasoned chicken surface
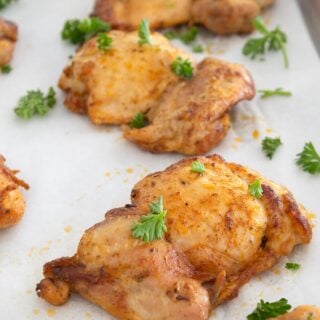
{"points": [[127, 14], [12, 204], [113, 87], [8, 38], [220, 16], [302, 313], [218, 236], [186, 116], [192, 116]]}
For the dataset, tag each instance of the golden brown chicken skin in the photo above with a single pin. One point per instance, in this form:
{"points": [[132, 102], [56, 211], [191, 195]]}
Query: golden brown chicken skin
{"points": [[127, 14], [220, 16], [192, 116], [112, 87], [12, 205], [302, 313], [8, 38], [218, 237]]}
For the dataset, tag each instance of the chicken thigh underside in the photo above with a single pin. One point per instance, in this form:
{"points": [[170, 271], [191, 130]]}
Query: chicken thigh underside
{"points": [[218, 237], [8, 38], [220, 16], [12, 203]]}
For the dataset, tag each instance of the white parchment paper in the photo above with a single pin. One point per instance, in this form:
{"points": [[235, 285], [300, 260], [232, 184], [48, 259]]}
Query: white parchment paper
{"points": [[78, 171]]}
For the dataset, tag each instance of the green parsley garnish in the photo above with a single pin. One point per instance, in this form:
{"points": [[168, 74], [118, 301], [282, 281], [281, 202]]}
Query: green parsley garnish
{"points": [[185, 36], [182, 68], [292, 266], [198, 167], [270, 146], [6, 69], [104, 42], [277, 92], [35, 103], [310, 316], [255, 189], [139, 121], [309, 159], [78, 31], [267, 310], [4, 3], [197, 48], [151, 226], [144, 33], [274, 40]]}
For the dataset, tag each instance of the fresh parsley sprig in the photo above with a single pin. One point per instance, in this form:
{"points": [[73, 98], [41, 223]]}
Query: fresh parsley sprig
{"points": [[78, 31], [270, 146], [104, 42], [293, 266], [151, 226], [274, 40], [144, 33], [267, 310], [188, 36], [6, 69], [198, 167], [139, 121], [182, 68], [277, 92], [309, 159], [255, 189], [35, 103], [5, 3]]}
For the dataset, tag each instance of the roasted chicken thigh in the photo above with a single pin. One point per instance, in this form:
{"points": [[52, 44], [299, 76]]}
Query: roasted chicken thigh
{"points": [[218, 237], [220, 16], [302, 313], [189, 116], [8, 38], [12, 204]]}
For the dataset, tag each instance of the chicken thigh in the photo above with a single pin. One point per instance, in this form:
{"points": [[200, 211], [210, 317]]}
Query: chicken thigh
{"points": [[217, 237], [220, 16], [8, 38], [192, 116], [112, 87], [302, 313], [12, 204]]}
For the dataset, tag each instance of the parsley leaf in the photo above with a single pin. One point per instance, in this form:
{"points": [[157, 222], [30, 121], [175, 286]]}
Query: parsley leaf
{"points": [[270, 146], [310, 316], [292, 266], [255, 189], [5, 3], [277, 92], [78, 31], [197, 48], [267, 310], [6, 69], [35, 103], [151, 226], [309, 159], [139, 121], [144, 32], [198, 167], [274, 40], [104, 42], [189, 35], [182, 68]]}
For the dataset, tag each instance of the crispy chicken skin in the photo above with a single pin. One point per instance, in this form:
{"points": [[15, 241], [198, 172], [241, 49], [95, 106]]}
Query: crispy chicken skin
{"points": [[192, 116], [8, 38], [220, 16], [127, 14], [219, 236], [113, 87], [302, 313], [12, 204]]}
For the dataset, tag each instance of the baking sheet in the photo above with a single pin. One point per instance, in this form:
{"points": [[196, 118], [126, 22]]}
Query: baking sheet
{"points": [[78, 171]]}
